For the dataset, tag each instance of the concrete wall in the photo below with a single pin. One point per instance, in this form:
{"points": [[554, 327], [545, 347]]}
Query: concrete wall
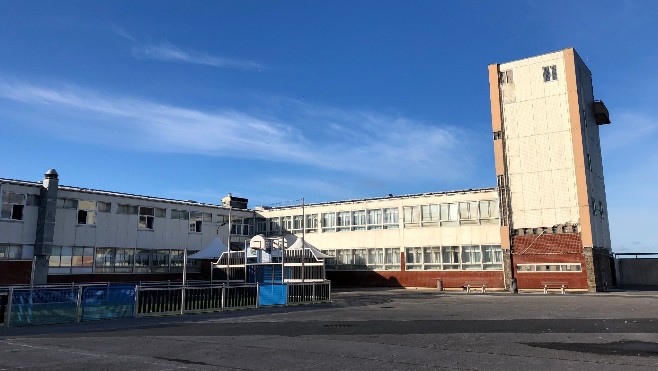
{"points": [[637, 272]]}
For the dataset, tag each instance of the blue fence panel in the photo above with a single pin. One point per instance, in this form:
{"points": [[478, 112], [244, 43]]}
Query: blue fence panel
{"points": [[108, 302], [272, 295], [44, 306]]}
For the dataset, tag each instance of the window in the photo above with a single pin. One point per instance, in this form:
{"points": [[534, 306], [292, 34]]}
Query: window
{"points": [[127, 209], [11, 252], [143, 261], [311, 223], [550, 73], [328, 222], [392, 258], [449, 214], [86, 212], [506, 77], [12, 206], [146, 217], [343, 220], [430, 214], [492, 257], [103, 207], [104, 260], [414, 258], [468, 212], [261, 226], [124, 260], [344, 259], [286, 224], [67, 203], [432, 257], [375, 258], [450, 256], [411, 215], [358, 220], [549, 267], [196, 220], [219, 218], [471, 257], [391, 218], [360, 258], [489, 212], [242, 226], [297, 223], [160, 261], [32, 200], [375, 219], [180, 214], [275, 225]]}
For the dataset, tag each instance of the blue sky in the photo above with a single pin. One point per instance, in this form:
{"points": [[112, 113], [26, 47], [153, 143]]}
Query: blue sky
{"points": [[331, 100]]}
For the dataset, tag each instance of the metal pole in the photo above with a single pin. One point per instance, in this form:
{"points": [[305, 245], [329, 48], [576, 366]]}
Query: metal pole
{"points": [[228, 261], [10, 298], [182, 290], [303, 235], [136, 308], [79, 305]]}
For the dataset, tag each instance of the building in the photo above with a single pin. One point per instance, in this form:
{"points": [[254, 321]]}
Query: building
{"points": [[550, 171], [544, 224]]}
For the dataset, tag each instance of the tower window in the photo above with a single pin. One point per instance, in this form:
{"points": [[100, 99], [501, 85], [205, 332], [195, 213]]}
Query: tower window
{"points": [[506, 77], [550, 73]]}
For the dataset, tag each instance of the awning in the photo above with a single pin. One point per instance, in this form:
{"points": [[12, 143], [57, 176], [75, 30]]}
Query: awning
{"points": [[212, 251], [297, 245]]}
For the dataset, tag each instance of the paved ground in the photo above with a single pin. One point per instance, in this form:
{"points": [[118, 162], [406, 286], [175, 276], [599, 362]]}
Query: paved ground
{"points": [[365, 330]]}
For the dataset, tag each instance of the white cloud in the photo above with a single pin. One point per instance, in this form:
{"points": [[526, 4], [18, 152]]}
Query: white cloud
{"points": [[168, 52], [379, 145]]}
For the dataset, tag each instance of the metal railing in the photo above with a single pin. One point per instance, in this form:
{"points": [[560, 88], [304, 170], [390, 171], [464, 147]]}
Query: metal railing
{"points": [[21, 306]]}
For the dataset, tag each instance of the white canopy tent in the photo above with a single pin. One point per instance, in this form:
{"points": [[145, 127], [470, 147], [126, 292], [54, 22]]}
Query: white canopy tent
{"points": [[295, 243], [211, 252]]}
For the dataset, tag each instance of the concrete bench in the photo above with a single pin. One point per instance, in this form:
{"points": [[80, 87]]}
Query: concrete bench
{"points": [[481, 285], [554, 285]]}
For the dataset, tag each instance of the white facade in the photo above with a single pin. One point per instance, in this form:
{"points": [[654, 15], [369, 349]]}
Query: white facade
{"points": [[109, 232]]}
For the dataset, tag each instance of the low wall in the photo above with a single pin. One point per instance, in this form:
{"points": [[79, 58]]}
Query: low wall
{"points": [[637, 272]]}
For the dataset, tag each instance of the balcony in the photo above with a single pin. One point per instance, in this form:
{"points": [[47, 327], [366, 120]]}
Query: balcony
{"points": [[601, 113]]}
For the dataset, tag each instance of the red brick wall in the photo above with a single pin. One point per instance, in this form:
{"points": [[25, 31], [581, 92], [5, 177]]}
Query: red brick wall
{"points": [[549, 248], [451, 279], [15, 272]]}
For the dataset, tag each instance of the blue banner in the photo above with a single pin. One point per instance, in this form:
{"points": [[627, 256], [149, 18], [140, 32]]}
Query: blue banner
{"points": [[108, 302]]}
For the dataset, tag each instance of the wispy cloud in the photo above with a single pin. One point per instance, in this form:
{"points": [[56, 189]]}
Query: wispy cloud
{"points": [[378, 145], [168, 52]]}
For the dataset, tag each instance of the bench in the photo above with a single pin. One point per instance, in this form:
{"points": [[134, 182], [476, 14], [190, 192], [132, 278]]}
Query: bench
{"points": [[554, 285], [469, 285]]}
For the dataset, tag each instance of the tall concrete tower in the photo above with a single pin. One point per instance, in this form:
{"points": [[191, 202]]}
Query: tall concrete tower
{"points": [[554, 215]]}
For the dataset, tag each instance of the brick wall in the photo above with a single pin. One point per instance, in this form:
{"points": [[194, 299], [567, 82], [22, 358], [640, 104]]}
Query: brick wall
{"points": [[15, 272], [549, 248]]}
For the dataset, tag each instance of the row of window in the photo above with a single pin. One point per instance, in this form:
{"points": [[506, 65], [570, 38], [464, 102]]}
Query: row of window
{"points": [[549, 73], [14, 203], [449, 214], [14, 252], [470, 257], [473, 257], [65, 260], [561, 267]]}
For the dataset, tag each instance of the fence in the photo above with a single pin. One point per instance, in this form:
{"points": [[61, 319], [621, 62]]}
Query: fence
{"points": [[25, 306]]}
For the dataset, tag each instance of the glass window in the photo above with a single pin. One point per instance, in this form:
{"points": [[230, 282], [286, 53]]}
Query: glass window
{"points": [[104, 207], [311, 222], [180, 214], [492, 257], [146, 217], [54, 260], [375, 219], [430, 213], [450, 257], [328, 222], [12, 206], [160, 261], [143, 260], [411, 214], [127, 209], [449, 214], [14, 252], [275, 225], [343, 219], [66, 259], [196, 221], [376, 258], [392, 258], [391, 218], [432, 257], [86, 212], [104, 262], [360, 258], [286, 223], [344, 258], [414, 258], [160, 213], [358, 220], [471, 257], [297, 222]]}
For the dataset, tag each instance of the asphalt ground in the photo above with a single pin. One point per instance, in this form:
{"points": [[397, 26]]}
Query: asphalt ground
{"points": [[391, 329]]}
